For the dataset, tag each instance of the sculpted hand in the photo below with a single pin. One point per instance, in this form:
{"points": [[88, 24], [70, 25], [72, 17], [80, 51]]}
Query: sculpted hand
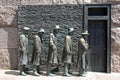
{"points": [[38, 51], [24, 50], [54, 47]]}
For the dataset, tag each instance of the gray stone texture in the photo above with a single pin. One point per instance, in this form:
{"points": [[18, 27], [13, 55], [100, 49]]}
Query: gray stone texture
{"points": [[47, 16], [8, 18]]}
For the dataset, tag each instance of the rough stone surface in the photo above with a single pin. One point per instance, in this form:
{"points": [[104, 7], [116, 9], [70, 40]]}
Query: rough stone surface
{"points": [[106, 1], [8, 16], [47, 16], [8, 8], [8, 37], [50, 2], [39, 2], [8, 58], [115, 15], [115, 38], [9, 2], [8, 48], [115, 49]]}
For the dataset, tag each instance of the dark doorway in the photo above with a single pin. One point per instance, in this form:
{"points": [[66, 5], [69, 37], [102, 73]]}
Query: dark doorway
{"points": [[97, 40], [97, 20]]}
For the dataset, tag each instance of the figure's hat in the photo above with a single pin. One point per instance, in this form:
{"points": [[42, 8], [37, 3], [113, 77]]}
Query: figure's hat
{"points": [[26, 28], [70, 29], [57, 27], [85, 33], [42, 30]]}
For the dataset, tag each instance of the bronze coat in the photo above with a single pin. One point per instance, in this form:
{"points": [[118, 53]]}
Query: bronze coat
{"points": [[52, 53], [23, 50], [36, 50], [82, 50], [67, 50]]}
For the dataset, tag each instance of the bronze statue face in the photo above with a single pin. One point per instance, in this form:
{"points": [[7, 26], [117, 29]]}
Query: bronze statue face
{"points": [[71, 33], [26, 32], [56, 30], [40, 34]]}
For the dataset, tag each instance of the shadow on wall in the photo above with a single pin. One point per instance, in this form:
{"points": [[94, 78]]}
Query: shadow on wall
{"points": [[12, 73], [8, 46], [13, 51]]}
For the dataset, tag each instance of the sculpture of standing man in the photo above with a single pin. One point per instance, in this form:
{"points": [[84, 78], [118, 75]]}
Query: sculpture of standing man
{"points": [[67, 52], [37, 44], [53, 52], [82, 54], [23, 50]]}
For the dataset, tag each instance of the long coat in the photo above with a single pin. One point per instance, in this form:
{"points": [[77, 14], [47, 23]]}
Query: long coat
{"points": [[82, 51], [67, 50], [23, 50], [36, 50], [52, 52]]}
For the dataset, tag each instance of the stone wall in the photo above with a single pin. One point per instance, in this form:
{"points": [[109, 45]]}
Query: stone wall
{"points": [[47, 16], [8, 47], [8, 19]]}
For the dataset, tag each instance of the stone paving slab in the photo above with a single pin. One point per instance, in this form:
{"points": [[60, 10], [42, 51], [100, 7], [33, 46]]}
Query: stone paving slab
{"points": [[14, 75]]}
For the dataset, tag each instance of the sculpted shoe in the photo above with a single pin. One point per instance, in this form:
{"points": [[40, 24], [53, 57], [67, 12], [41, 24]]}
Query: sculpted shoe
{"points": [[70, 72], [66, 74], [36, 74], [83, 75], [50, 74], [23, 73]]}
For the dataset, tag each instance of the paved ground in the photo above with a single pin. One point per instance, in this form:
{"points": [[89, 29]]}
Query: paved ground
{"points": [[14, 75]]}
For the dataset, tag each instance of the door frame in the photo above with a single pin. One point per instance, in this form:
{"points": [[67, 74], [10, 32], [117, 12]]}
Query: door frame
{"points": [[108, 18]]}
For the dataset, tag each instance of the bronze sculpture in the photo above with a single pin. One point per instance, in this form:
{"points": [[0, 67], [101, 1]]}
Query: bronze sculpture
{"points": [[82, 54], [23, 50], [52, 53], [37, 44], [67, 52]]}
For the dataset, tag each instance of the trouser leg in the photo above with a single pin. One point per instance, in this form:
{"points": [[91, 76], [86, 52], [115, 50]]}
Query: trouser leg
{"points": [[38, 69], [49, 70], [55, 69], [69, 66], [35, 72], [65, 69], [81, 67], [22, 68], [66, 66], [82, 71]]}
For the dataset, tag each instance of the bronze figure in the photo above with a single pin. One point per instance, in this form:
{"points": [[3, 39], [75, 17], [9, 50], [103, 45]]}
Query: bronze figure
{"points": [[52, 53], [82, 54], [67, 52], [37, 44], [23, 50]]}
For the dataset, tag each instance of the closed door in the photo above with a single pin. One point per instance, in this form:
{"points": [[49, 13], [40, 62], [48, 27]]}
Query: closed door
{"points": [[97, 41]]}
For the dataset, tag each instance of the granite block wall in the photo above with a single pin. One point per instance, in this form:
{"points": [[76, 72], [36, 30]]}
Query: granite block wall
{"points": [[47, 16], [8, 48]]}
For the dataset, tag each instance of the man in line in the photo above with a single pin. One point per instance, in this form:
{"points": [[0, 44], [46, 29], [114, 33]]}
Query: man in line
{"points": [[37, 44], [82, 54], [67, 52], [53, 52], [23, 50]]}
